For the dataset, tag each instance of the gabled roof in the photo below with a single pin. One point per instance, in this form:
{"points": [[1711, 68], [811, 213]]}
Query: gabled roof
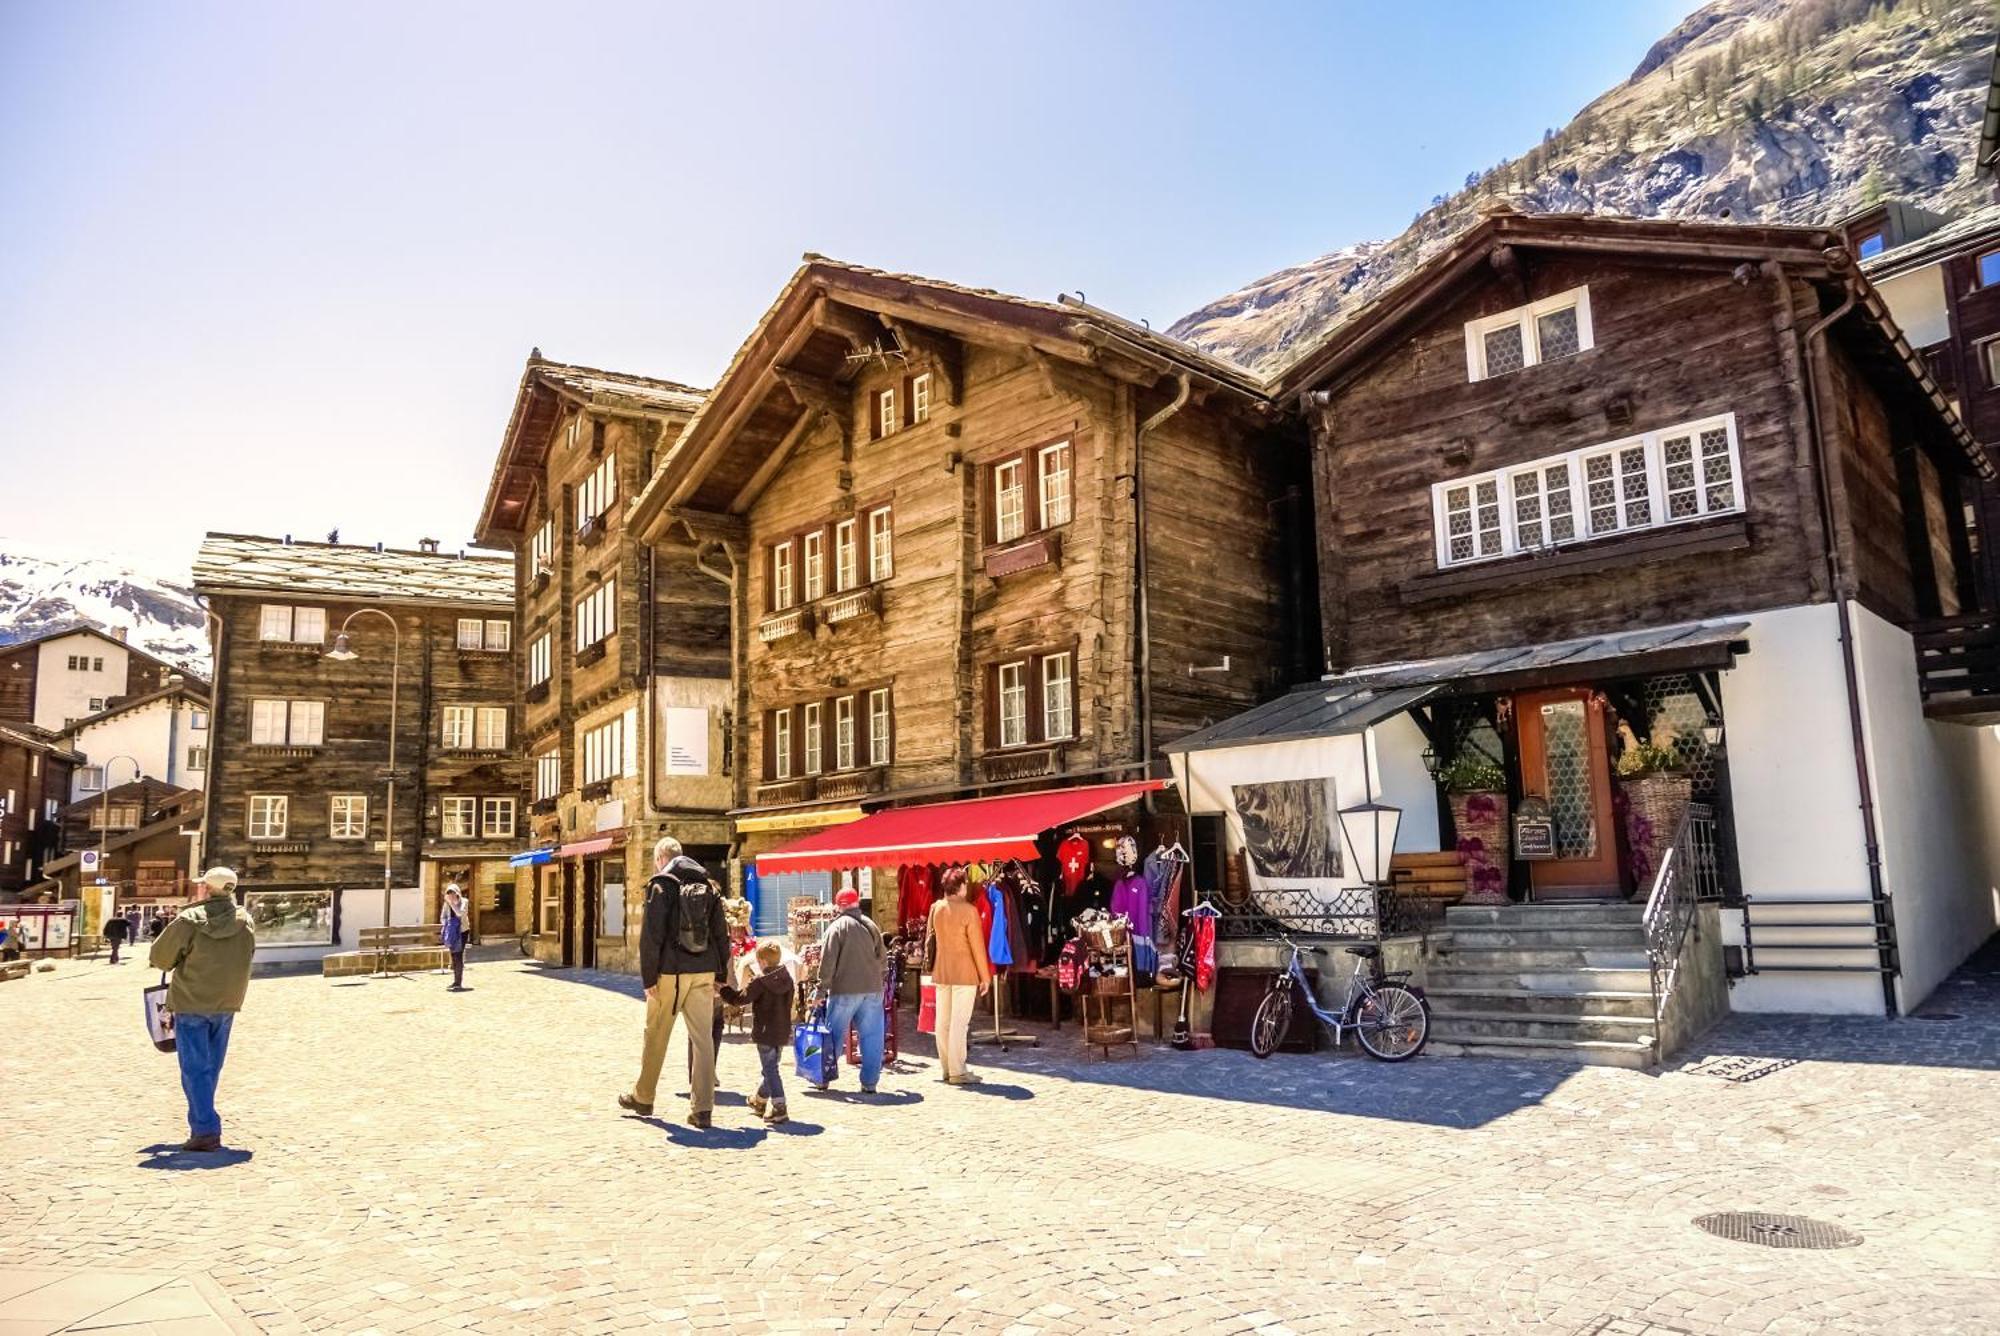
{"points": [[39, 739], [200, 697], [549, 390], [829, 309], [1816, 254], [86, 629], [1967, 232], [172, 818], [230, 563]]}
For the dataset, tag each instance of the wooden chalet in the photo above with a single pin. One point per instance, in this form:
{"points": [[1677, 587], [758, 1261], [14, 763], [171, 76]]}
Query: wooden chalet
{"points": [[35, 770], [300, 743], [62, 676], [149, 835], [1624, 530], [623, 681], [977, 544]]}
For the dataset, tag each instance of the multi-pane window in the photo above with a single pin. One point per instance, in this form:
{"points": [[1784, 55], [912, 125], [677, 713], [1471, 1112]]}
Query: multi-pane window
{"points": [[781, 744], [813, 740], [461, 818], [496, 817], [458, 723], [1052, 473], [287, 723], [538, 659], [597, 614], [843, 733], [484, 634], [814, 545], [1010, 503], [1989, 361], [781, 576], [878, 726], [920, 398], [1671, 476], [198, 720], [598, 491], [1013, 704], [542, 548], [604, 751], [90, 779], [548, 774], [269, 815], [885, 412], [844, 556], [292, 625], [490, 728], [1057, 692], [347, 818], [197, 758], [881, 544], [1526, 336]]}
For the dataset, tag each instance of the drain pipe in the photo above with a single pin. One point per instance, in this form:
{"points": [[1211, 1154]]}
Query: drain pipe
{"points": [[1182, 391], [1813, 343]]}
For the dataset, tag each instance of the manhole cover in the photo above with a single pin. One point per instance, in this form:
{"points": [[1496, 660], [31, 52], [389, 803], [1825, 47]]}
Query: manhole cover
{"points": [[1936, 1016], [1777, 1231]]}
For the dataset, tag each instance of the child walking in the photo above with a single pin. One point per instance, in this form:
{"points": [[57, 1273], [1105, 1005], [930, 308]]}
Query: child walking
{"points": [[769, 997]]}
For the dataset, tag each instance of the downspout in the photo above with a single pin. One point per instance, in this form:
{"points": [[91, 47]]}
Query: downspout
{"points": [[1812, 344], [1183, 389]]}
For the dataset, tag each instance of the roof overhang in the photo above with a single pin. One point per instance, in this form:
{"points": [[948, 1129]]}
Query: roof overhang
{"points": [[1989, 126]]}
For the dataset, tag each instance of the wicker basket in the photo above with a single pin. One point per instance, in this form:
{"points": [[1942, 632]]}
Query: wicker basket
{"points": [[1109, 985], [1484, 845], [1654, 806]]}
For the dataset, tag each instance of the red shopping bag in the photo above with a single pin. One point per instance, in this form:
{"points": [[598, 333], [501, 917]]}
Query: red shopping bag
{"points": [[926, 1005]]}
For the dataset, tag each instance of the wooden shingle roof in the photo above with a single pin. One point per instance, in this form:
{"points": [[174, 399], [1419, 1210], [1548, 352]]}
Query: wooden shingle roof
{"points": [[230, 563]]}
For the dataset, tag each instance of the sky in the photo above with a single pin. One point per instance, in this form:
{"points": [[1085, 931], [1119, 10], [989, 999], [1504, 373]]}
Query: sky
{"points": [[275, 268]]}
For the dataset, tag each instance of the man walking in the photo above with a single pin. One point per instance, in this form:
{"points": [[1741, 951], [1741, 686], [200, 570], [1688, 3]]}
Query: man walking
{"points": [[852, 958], [208, 949], [683, 955], [115, 928]]}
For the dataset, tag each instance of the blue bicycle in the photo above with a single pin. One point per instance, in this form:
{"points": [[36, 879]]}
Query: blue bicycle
{"points": [[1390, 1018]]}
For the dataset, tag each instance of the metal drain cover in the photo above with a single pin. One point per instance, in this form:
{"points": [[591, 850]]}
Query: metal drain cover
{"points": [[1777, 1231]]}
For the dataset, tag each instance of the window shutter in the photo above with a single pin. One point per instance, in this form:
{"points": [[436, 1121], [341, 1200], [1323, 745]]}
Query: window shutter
{"points": [[989, 506], [799, 741], [991, 686], [770, 745], [770, 577], [1037, 723], [1031, 492], [906, 407]]}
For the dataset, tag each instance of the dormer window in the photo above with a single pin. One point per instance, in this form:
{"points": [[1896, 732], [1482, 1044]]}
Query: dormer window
{"points": [[1870, 246], [1526, 336], [1987, 269]]}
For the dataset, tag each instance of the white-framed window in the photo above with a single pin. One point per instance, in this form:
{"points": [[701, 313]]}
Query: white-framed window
{"points": [[1868, 247], [1052, 471], [1010, 510], [1013, 704], [815, 564], [598, 491], [920, 398], [90, 779], [781, 576], [197, 758], [542, 548], [1671, 476], [461, 818], [269, 816], [198, 720], [1058, 681], [1987, 269], [885, 412], [604, 751], [548, 774], [96, 704], [490, 728], [814, 730], [287, 723], [597, 614], [496, 817], [347, 816], [457, 735], [1526, 336], [471, 633], [843, 733], [781, 744], [844, 556], [487, 634], [881, 543], [291, 625], [538, 658], [878, 726]]}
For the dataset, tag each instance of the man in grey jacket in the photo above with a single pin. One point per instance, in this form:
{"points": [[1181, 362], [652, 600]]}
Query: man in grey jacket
{"points": [[852, 957]]}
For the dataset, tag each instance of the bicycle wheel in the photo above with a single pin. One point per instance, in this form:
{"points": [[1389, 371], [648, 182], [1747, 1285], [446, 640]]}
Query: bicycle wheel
{"points": [[1394, 1024], [1273, 1018]]}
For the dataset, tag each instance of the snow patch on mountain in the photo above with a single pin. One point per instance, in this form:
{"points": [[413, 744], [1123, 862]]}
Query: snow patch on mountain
{"points": [[44, 591]]}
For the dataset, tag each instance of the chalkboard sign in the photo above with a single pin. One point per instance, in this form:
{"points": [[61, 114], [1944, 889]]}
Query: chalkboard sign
{"points": [[1534, 830]]}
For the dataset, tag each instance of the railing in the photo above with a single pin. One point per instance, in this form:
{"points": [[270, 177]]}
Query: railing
{"points": [[1689, 873], [1349, 913], [1958, 664]]}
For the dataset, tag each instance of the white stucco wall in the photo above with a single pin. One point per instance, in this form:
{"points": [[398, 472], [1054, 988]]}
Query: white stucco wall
{"points": [[711, 788], [156, 735], [1207, 778], [1916, 301], [1402, 781], [63, 693]]}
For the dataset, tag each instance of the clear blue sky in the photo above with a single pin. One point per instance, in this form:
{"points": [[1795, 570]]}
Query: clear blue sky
{"points": [[275, 267]]}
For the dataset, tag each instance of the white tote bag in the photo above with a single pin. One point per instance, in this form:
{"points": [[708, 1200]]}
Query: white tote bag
{"points": [[159, 1021]]}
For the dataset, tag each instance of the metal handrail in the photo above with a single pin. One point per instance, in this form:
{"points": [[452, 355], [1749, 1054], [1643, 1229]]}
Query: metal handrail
{"points": [[1689, 873]]}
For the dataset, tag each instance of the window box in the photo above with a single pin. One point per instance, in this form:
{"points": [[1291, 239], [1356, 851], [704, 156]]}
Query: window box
{"points": [[852, 783], [291, 649], [1022, 763], [786, 791], [591, 533], [282, 749], [1044, 549], [864, 602], [281, 846], [536, 694], [592, 652], [539, 581], [598, 791], [784, 625], [542, 806]]}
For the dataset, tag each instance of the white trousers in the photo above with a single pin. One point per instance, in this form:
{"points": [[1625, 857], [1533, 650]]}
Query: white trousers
{"points": [[955, 1004]]}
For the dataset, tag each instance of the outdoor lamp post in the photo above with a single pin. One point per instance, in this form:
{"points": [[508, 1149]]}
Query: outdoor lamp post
{"points": [[1370, 831], [343, 651], [104, 809]]}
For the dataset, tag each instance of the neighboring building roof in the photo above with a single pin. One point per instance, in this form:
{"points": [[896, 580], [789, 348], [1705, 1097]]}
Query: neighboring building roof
{"points": [[171, 821], [86, 629], [133, 703], [548, 390], [1989, 126], [230, 563], [39, 739], [1966, 232]]}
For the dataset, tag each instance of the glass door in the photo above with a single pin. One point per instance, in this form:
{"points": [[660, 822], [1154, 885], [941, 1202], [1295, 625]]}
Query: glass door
{"points": [[1565, 760]]}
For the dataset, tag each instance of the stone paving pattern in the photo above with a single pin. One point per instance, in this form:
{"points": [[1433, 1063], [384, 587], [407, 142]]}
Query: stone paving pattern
{"points": [[407, 1159]]}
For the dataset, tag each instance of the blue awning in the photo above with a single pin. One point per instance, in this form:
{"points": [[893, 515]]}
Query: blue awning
{"points": [[532, 858]]}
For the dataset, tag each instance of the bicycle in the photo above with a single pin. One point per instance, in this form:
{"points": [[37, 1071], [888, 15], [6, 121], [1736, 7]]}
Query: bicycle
{"points": [[1390, 1018]]}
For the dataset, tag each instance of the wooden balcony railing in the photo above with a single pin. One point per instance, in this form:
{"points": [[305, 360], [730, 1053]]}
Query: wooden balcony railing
{"points": [[1958, 667], [784, 791], [783, 625], [863, 602], [851, 783]]}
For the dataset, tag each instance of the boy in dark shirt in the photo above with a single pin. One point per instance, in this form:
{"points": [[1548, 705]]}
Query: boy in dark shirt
{"points": [[769, 997]]}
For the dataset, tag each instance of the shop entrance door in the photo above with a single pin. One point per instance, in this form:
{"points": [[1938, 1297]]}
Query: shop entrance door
{"points": [[593, 878], [569, 915], [1566, 762]]}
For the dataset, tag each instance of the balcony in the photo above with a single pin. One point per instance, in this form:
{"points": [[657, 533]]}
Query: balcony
{"points": [[1022, 763], [781, 792], [592, 653], [855, 603], [852, 783], [784, 625], [1044, 549], [537, 693], [540, 579], [1958, 667], [542, 806]]}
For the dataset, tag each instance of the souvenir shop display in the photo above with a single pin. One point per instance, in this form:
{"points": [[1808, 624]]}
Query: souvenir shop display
{"points": [[1196, 970], [1107, 978]]}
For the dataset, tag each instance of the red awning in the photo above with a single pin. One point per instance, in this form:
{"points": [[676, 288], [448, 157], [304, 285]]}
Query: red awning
{"points": [[977, 828], [584, 848]]}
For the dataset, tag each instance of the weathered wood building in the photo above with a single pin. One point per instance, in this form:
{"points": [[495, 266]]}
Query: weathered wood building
{"points": [[149, 834], [312, 641], [34, 785], [977, 544], [56, 679], [623, 681]]}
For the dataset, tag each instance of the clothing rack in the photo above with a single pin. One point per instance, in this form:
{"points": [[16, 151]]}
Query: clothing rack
{"points": [[1004, 1037]]}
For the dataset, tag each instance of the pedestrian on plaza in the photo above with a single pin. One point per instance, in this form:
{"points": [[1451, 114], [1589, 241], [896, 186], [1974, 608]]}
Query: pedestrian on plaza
{"points": [[207, 948], [769, 997], [115, 929], [683, 955], [960, 971], [10, 941], [454, 927], [852, 957]]}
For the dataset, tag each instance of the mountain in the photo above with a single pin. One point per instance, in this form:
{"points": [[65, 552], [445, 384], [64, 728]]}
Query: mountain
{"points": [[1779, 111], [43, 592]]}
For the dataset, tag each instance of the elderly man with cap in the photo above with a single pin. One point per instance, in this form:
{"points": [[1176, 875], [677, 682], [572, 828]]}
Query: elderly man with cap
{"points": [[208, 948], [852, 958]]}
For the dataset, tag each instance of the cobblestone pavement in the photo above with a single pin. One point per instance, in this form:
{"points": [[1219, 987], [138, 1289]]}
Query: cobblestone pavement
{"points": [[406, 1159]]}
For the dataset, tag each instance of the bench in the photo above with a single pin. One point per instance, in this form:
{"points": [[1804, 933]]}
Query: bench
{"points": [[391, 951], [15, 969]]}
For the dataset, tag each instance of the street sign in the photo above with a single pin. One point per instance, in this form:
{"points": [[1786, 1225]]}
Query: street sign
{"points": [[87, 862], [382, 848]]}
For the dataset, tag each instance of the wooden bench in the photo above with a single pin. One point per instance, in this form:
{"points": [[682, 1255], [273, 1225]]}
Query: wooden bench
{"points": [[390, 951], [15, 969], [1438, 876]]}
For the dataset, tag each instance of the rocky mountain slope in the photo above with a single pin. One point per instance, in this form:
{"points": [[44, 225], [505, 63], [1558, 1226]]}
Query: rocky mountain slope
{"points": [[42, 592], [1792, 111]]}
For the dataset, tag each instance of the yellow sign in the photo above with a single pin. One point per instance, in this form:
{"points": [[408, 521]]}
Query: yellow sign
{"points": [[829, 816]]}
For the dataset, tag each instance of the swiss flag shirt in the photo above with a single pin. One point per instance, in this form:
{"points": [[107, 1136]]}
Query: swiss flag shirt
{"points": [[1074, 855]]}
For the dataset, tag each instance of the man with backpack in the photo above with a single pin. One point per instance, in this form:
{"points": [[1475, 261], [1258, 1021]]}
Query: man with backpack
{"points": [[683, 955]]}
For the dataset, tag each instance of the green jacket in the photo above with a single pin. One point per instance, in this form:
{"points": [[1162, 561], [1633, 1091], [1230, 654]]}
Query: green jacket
{"points": [[208, 947]]}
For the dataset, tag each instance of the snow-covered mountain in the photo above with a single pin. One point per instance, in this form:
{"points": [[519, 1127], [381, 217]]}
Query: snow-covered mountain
{"points": [[42, 592], [1777, 111]]}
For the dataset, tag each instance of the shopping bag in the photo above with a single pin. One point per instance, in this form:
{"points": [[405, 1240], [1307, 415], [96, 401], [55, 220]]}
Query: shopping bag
{"points": [[926, 1004], [814, 1052], [159, 1021]]}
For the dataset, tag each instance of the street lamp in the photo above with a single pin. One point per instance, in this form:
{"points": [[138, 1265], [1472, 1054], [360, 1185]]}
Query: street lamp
{"points": [[1370, 827], [104, 809], [343, 652]]}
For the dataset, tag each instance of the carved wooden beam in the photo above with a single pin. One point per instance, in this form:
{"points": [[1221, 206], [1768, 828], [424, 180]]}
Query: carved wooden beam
{"points": [[857, 327], [944, 352], [815, 392]]}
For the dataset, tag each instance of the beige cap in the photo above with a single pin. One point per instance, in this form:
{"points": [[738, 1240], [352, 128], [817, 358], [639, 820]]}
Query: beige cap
{"points": [[219, 879]]}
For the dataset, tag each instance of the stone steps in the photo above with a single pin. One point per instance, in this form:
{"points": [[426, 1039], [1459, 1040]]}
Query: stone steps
{"points": [[1446, 1001], [1583, 935], [1515, 1025], [1584, 1052], [1541, 958], [1558, 979], [1586, 914]]}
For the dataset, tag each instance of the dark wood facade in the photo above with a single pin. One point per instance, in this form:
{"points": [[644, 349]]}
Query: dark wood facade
{"points": [[34, 783]]}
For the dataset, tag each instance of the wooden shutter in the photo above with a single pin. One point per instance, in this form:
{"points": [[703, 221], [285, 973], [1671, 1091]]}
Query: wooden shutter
{"points": [[770, 745], [1031, 494], [906, 408], [991, 686], [1037, 729], [799, 741], [770, 582]]}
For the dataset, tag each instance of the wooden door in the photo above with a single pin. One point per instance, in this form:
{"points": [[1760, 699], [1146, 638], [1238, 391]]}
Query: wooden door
{"points": [[593, 892], [1566, 762], [569, 914]]}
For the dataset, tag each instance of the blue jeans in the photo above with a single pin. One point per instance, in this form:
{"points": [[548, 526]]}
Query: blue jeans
{"points": [[201, 1042], [862, 1011], [773, 1084]]}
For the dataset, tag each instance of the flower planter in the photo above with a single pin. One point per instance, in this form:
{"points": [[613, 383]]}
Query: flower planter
{"points": [[1654, 806], [1481, 819]]}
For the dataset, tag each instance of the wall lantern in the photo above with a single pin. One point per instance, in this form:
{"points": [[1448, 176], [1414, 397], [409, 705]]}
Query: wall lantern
{"points": [[1712, 735]]}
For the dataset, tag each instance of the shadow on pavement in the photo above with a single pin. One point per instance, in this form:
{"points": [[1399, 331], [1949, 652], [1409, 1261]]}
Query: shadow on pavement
{"points": [[714, 1138], [884, 1097], [170, 1156], [999, 1090]]}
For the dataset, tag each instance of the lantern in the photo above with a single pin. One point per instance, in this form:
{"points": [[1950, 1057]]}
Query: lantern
{"points": [[1370, 830]]}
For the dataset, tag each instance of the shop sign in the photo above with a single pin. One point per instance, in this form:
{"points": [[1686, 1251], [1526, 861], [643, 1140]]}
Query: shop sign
{"points": [[1534, 830], [611, 815]]}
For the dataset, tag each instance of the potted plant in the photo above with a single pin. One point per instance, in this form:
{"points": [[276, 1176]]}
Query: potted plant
{"points": [[1655, 788], [1477, 791]]}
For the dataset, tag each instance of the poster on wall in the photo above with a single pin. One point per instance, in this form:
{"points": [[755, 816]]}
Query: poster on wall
{"points": [[1290, 828], [687, 740]]}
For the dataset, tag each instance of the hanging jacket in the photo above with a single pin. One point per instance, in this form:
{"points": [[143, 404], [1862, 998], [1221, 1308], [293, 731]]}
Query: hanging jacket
{"points": [[999, 947]]}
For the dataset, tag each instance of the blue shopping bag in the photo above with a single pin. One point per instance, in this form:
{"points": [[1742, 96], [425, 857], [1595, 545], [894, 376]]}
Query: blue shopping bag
{"points": [[813, 1047]]}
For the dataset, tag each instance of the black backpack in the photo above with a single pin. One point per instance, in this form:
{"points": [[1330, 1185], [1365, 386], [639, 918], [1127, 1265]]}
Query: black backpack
{"points": [[693, 908]]}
